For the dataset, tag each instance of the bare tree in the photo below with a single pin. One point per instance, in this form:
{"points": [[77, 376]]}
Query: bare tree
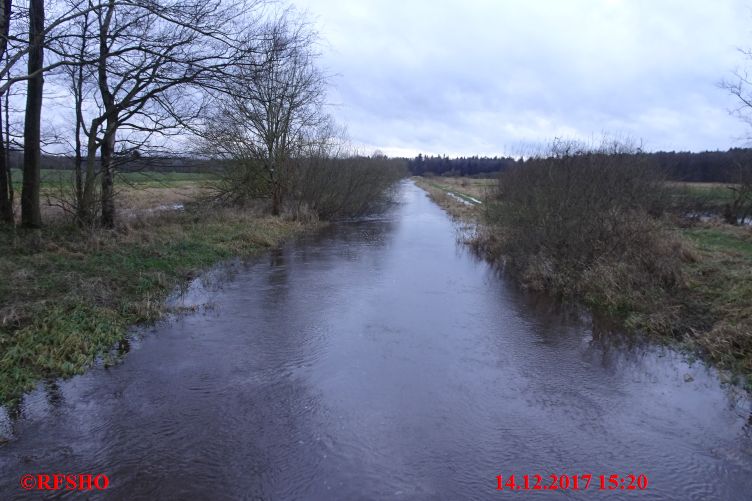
{"points": [[153, 63], [740, 87], [77, 47], [56, 27], [275, 99], [137, 70], [739, 209]]}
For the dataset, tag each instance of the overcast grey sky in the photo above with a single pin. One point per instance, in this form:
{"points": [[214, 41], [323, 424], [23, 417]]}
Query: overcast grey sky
{"points": [[491, 77]]}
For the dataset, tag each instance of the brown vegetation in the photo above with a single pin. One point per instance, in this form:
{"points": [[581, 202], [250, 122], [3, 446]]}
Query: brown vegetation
{"points": [[578, 212], [446, 193], [592, 224], [343, 187]]}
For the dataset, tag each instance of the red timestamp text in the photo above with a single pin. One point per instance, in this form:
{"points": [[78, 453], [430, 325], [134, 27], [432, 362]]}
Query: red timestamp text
{"points": [[552, 482]]}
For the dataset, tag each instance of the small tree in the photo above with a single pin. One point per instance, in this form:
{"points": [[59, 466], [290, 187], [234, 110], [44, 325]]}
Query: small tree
{"points": [[274, 99], [740, 207]]}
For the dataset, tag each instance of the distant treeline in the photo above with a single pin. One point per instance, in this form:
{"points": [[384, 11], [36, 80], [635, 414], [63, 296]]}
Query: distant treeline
{"points": [[462, 166], [706, 166], [131, 163]]}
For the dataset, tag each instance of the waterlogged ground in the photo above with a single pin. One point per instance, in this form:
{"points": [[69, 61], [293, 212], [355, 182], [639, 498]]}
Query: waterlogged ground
{"points": [[380, 360]]}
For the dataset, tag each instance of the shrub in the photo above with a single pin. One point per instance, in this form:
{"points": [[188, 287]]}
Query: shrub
{"points": [[585, 221], [343, 187]]}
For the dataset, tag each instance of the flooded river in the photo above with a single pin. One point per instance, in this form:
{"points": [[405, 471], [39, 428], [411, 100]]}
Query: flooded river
{"points": [[381, 360]]}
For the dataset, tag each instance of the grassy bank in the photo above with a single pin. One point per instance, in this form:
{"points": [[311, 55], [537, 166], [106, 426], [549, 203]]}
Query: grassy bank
{"points": [[706, 306], [718, 294], [70, 301], [458, 196]]}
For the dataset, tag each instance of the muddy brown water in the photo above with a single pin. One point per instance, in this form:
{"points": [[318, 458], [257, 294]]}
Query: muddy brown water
{"points": [[380, 360]]}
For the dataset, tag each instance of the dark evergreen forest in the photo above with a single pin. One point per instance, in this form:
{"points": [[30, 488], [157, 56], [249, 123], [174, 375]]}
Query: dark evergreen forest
{"points": [[706, 166]]}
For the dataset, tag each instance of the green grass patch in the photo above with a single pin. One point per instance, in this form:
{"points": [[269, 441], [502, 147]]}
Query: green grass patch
{"points": [[719, 295], [165, 179], [723, 239], [70, 301], [708, 196], [55, 178]]}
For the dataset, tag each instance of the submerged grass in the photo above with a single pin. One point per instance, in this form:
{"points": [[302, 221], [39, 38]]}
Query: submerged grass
{"points": [[71, 299]]}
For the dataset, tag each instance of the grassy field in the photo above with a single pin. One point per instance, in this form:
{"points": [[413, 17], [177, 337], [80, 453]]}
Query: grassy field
{"points": [[711, 312], [710, 197], [470, 188], [457, 195], [66, 304], [135, 191], [57, 177]]}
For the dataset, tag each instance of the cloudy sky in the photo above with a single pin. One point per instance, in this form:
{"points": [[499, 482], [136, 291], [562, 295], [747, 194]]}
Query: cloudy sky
{"points": [[496, 76]]}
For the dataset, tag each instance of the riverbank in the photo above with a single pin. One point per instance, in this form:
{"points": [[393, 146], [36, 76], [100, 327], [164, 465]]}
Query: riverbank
{"points": [[462, 198], [707, 311], [73, 299]]}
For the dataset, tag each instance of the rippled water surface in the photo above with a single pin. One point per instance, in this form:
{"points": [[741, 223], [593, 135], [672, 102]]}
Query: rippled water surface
{"points": [[380, 360]]}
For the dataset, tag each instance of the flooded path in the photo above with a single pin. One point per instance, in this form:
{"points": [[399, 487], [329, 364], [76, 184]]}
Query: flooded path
{"points": [[380, 360]]}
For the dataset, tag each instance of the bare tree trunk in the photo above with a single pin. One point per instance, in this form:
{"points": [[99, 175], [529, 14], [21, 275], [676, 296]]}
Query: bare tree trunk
{"points": [[77, 76], [6, 209], [78, 166], [11, 191], [86, 206], [108, 195], [6, 186], [108, 101], [6, 139], [78, 84], [276, 200], [31, 214]]}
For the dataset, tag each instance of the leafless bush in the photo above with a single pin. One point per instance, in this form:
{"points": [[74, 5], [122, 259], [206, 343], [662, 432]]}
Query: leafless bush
{"points": [[242, 182], [739, 209], [566, 216], [344, 187]]}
